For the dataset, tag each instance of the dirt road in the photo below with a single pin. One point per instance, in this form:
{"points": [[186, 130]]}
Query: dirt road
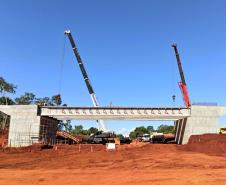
{"points": [[132, 164]]}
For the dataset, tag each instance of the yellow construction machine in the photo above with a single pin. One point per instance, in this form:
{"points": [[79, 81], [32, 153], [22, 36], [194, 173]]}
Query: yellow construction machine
{"points": [[222, 131]]}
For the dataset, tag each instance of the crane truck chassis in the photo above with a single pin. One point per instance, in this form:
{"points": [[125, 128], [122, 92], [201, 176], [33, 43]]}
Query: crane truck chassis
{"points": [[101, 137]]}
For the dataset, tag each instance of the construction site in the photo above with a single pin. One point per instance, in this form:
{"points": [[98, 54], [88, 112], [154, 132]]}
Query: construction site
{"points": [[31, 142], [38, 144]]}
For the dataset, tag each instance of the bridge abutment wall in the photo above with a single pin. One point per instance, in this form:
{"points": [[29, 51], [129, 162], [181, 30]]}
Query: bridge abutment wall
{"points": [[27, 127], [203, 120]]}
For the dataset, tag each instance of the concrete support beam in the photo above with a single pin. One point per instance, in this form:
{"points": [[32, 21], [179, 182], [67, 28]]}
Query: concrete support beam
{"points": [[115, 113]]}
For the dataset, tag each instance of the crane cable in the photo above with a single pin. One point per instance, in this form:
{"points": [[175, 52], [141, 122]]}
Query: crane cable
{"points": [[173, 83], [61, 66]]}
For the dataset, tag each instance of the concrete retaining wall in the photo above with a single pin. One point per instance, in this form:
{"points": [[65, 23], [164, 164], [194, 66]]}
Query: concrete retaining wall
{"points": [[25, 125], [204, 119]]}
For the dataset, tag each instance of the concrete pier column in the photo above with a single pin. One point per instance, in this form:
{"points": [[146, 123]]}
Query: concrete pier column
{"points": [[182, 130], [177, 129]]}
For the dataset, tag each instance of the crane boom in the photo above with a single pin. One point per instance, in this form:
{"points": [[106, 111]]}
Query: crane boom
{"points": [[101, 124], [182, 84]]}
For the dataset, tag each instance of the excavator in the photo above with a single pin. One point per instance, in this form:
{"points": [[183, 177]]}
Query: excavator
{"points": [[103, 135], [182, 83]]}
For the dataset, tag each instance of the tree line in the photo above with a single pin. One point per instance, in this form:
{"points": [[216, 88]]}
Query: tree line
{"points": [[27, 98], [79, 130], [138, 131]]}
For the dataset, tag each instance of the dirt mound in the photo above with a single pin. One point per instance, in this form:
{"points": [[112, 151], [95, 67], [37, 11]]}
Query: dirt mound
{"points": [[213, 144]]}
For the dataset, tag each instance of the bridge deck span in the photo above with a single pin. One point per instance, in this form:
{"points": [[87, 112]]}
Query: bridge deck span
{"points": [[115, 113]]}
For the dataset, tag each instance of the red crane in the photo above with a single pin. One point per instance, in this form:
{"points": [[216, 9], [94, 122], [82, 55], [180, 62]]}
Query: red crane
{"points": [[182, 83]]}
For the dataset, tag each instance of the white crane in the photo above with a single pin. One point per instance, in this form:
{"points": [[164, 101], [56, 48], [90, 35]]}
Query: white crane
{"points": [[101, 124]]}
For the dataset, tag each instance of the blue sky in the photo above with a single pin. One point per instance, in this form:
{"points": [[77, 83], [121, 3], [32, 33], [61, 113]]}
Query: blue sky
{"points": [[125, 46]]}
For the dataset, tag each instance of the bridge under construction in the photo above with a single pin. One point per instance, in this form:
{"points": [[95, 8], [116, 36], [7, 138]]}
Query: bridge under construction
{"points": [[32, 123]]}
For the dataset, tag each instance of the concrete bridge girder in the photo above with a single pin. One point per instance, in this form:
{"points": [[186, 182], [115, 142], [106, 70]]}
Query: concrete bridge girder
{"points": [[115, 113]]}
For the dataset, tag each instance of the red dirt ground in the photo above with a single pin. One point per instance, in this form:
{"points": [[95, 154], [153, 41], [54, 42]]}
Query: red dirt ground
{"points": [[199, 162]]}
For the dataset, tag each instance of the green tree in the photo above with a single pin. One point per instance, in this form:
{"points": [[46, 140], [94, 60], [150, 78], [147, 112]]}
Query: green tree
{"points": [[120, 136], [60, 125], [56, 100], [85, 132], [166, 129], [25, 99], [138, 131], [6, 101], [141, 130], [65, 125], [132, 135], [43, 101], [78, 129], [6, 87], [150, 129], [92, 130], [68, 126]]}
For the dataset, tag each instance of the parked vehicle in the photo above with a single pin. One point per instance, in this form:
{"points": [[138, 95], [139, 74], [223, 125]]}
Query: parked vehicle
{"points": [[164, 138], [139, 138], [125, 140], [146, 138], [143, 138]]}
